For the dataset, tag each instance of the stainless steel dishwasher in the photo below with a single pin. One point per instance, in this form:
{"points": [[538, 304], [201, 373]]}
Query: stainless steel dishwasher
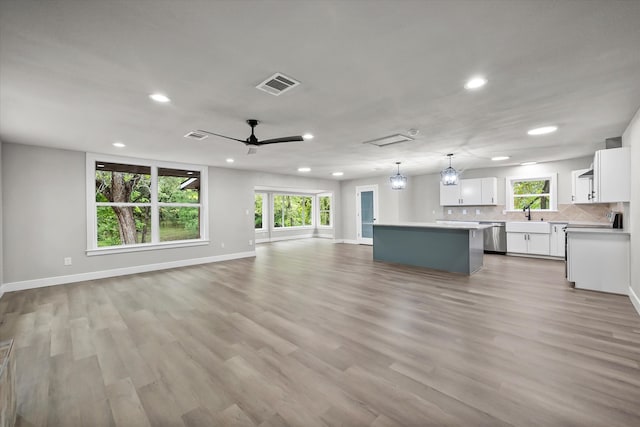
{"points": [[495, 237]]}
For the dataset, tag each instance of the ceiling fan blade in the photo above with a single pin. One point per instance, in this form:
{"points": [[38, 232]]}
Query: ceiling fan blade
{"points": [[223, 136], [283, 139]]}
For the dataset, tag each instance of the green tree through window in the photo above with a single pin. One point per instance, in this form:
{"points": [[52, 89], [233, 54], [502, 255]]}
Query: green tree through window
{"points": [[258, 215], [292, 211], [325, 210], [536, 193]]}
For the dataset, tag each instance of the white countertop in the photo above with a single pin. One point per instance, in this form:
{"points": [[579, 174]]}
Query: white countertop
{"points": [[450, 225], [597, 230]]}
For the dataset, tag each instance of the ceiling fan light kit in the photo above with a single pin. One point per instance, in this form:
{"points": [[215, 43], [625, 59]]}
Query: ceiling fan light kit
{"points": [[398, 182], [449, 176]]}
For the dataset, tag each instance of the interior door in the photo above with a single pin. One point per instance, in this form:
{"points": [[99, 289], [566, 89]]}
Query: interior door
{"points": [[366, 212]]}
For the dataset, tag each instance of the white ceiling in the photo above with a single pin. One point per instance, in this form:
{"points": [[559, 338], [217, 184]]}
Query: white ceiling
{"points": [[77, 75]]}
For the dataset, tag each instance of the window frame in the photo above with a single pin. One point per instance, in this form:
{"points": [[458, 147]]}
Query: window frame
{"points": [[553, 191], [294, 227], [91, 204], [265, 211], [319, 211]]}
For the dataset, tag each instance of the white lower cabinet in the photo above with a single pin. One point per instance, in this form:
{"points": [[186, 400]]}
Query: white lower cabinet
{"points": [[598, 260], [528, 243], [556, 240]]}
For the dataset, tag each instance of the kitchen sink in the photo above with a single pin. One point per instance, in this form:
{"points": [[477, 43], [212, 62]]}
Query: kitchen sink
{"points": [[528, 227]]}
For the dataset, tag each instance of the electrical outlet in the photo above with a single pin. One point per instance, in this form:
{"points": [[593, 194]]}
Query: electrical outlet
{"points": [[67, 261], [250, 242], [464, 211], [477, 211], [246, 212], [222, 244], [448, 211]]}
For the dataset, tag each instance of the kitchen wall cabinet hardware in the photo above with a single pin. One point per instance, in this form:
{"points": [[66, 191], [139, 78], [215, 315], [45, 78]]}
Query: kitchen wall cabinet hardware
{"points": [[556, 240], [612, 175], [470, 192]]}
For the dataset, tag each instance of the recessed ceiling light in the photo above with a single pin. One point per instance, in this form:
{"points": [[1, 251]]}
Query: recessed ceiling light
{"points": [[158, 97], [475, 83], [543, 130], [307, 136], [304, 169], [230, 160], [119, 144], [528, 163], [337, 173], [498, 158]]}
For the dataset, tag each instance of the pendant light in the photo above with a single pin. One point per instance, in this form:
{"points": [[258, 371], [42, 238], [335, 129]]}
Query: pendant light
{"points": [[398, 182], [449, 176]]}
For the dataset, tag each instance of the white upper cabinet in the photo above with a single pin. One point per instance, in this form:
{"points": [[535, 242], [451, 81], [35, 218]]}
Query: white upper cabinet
{"points": [[449, 195], [612, 175], [489, 191], [581, 188], [469, 192]]}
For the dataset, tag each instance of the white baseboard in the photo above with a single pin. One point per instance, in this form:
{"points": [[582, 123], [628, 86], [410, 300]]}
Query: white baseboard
{"points": [[324, 236], [81, 277], [634, 299], [350, 242], [277, 239]]}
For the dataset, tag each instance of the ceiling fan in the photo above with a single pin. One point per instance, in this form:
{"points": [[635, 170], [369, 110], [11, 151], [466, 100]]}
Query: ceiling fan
{"points": [[252, 141]]}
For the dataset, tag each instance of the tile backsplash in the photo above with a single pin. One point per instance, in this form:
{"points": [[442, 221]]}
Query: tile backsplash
{"points": [[569, 212]]}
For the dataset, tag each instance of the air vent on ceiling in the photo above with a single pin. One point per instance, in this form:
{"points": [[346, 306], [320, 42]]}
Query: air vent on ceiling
{"points": [[278, 84], [388, 140], [196, 135]]}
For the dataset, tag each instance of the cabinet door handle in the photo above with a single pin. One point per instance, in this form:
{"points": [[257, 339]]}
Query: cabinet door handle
{"points": [[573, 198], [588, 196], [492, 200]]}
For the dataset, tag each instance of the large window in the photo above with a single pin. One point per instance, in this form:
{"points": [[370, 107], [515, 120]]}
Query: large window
{"points": [[259, 212], [136, 205], [292, 211], [537, 193], [324, 210]]}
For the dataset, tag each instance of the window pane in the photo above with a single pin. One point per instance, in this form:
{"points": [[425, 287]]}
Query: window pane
{"points": [[178, 186], [292, 211], [258, 211], [541, 186], [123, 225], [179, 223], [325, 218], [325, 210], [536, 202], [121, 183]]}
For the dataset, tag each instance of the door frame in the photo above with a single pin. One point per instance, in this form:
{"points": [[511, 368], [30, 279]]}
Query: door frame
{"points": [[360, 188]]}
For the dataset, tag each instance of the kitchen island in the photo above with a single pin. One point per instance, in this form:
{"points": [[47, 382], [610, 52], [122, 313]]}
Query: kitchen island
{"points": [[456, 248]]}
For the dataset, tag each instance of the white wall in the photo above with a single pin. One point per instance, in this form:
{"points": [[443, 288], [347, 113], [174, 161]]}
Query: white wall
{"points": [[390, 203], [631, 138], [44, 215]]}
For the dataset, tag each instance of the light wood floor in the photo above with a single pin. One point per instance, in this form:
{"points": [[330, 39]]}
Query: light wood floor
{"points": [[312, 333]]}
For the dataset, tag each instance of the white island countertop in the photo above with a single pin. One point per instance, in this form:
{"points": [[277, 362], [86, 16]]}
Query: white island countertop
{"points": [[448, 225]]}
